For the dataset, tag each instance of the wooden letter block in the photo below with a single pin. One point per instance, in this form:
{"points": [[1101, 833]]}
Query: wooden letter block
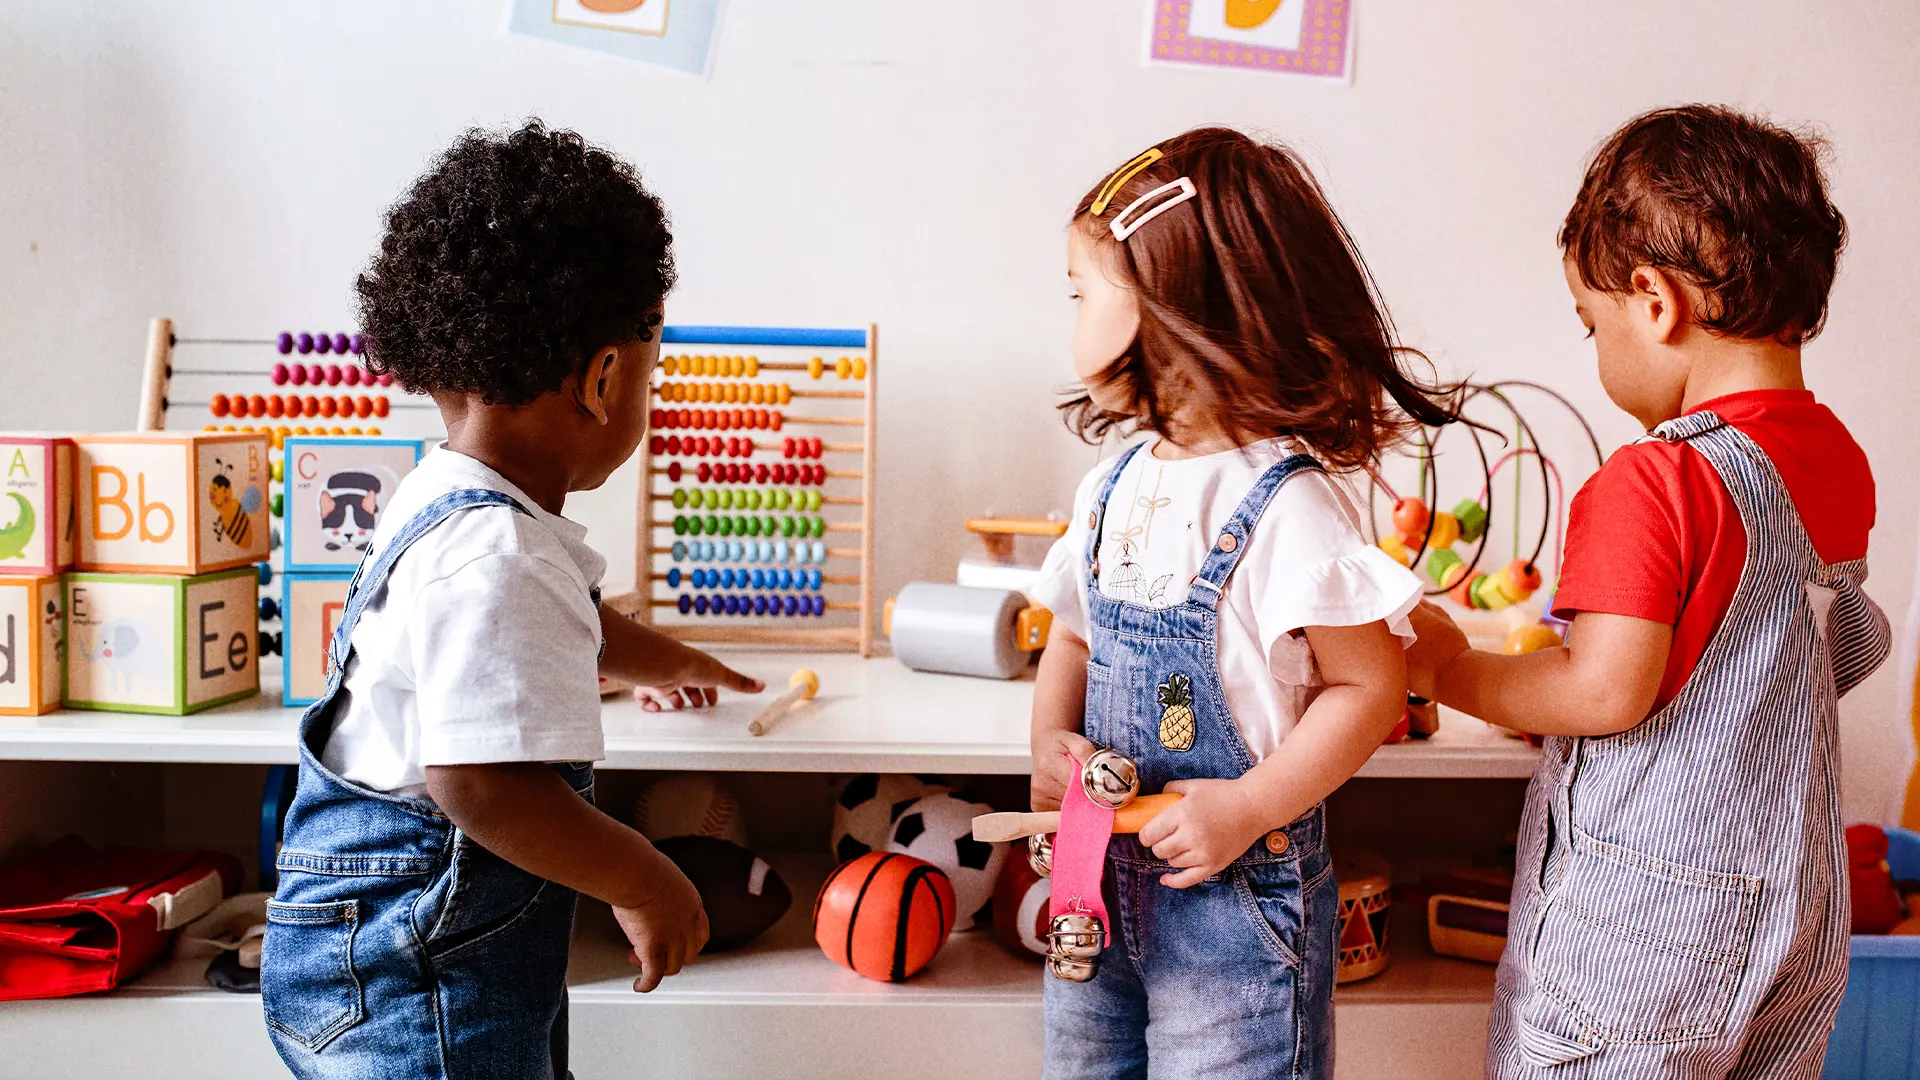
{"points": [[33, 644], [37, 526], [310, 608], [172, 503], [336, 489], [155, 644]]}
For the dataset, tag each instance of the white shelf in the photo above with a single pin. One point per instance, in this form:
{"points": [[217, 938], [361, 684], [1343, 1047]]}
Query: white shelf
{"points": [[767, 1009], [870, 716]]}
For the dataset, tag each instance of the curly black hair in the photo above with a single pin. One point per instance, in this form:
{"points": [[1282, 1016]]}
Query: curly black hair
{"points": [[509, 262]]}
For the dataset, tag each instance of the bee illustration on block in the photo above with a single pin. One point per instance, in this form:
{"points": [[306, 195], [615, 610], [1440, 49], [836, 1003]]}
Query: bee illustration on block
{"points": [[232, 520]]}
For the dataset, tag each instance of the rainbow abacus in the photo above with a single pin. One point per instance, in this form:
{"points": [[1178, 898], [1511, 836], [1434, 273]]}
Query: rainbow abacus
{"points": [[728, 480]]}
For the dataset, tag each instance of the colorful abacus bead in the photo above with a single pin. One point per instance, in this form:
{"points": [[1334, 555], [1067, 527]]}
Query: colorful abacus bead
{"points": [[1445, 568], [342, 344], [1446, 529], [1473, 519], [1486, 593], [1410, 520], [1462, 591], [304, 343], [284, 343], [816, 367]]}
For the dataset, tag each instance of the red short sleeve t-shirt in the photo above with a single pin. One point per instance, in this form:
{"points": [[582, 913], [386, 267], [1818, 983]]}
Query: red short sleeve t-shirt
{"points": [[1655, 535]]}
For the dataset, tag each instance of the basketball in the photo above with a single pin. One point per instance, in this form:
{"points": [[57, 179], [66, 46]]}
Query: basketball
{"points": [[883, 915], [1020, 916]]}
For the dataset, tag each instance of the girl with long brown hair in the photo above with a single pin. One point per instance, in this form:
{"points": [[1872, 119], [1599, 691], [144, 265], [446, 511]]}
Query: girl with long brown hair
{"points": [[1219, 618]]}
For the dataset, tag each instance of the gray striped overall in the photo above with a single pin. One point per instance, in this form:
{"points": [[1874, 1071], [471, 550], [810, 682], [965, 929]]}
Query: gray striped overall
{"points": [[1680, 902]]}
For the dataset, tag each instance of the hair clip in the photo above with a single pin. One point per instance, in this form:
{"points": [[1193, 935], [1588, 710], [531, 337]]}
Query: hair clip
{"points": [[1121, 175], [1181, 190]]}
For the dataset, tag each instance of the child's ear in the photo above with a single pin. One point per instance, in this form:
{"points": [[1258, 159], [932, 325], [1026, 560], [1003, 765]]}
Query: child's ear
{"points": [[596, 382], [1658, 304]]}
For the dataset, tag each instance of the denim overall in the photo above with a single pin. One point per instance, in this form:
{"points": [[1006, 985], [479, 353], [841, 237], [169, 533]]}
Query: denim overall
{"points": [[1680, 908], [397, 946], [1231, 979]]}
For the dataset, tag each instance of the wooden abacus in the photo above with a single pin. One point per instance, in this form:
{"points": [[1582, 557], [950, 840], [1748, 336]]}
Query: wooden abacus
{"points": [[326, 398], [740, 513]]}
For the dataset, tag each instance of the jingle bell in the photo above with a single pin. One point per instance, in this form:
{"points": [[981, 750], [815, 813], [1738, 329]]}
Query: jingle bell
{"points": [[1110, 779], [1040, 853], [1071, 970], [1076, 935]]}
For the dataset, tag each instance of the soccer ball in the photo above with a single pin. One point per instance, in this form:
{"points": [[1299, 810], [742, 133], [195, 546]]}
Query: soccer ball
{"points": [[863, 816], [939, 829]]}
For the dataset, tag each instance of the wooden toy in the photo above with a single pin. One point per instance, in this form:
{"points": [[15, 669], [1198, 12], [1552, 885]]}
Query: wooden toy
{"points": [[1466, 912], [159, 644], [311, 606], [938, 828], [965, 630], [883, 915], [38, 533], [33, 644], [1366, 897], [335, 489], [1015, 549], [1020, 899], [802, 685], [171, 504], [747, 555], [1013, 825]]}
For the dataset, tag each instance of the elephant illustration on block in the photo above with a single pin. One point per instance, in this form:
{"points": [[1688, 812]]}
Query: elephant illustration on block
{"points": [[124, 649]]}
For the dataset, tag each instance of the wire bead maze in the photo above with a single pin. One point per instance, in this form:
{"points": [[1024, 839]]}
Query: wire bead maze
{"points": [[296, 383], [1429, 539], [756, 493]]}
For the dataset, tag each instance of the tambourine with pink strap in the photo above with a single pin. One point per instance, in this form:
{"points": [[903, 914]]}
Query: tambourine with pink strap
{"points": [[1070, 845]]}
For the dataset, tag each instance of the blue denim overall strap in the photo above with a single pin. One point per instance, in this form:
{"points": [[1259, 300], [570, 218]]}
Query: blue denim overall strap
{"points": [[1239, 968], [392, 934], [1680, 899]]}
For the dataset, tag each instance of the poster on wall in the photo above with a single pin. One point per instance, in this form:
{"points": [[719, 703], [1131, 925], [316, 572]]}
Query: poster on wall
{"points": [[1307, 38], [672, 33]]}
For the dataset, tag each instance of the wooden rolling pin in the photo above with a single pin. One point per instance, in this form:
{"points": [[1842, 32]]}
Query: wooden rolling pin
{"points": [[1130, 818]]}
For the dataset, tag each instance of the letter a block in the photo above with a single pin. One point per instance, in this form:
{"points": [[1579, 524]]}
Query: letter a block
{"points": [[172, 504], [37, 524], [310, 608], [156, 644], [33, 638]]}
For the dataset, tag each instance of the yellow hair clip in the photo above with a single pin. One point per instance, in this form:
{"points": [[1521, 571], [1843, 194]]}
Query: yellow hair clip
{"points": [[1125, 173]]}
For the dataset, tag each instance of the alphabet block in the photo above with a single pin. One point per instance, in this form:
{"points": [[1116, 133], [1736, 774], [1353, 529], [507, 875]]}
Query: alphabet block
{"points": [[156, 644], [37, 525], [166, 503], [336, 489], [33, 644], [310, 607]]}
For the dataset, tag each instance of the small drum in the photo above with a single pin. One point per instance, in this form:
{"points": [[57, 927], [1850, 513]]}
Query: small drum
{"points": [[1365, 898]]}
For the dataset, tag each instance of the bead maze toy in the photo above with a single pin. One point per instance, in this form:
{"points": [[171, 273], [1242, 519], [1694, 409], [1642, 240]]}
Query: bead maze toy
{"points": [[1427, 540], [33, 641], [36, 476], [740, 511]]}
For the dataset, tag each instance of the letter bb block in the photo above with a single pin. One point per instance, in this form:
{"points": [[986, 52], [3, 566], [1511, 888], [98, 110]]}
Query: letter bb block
{"points": [[163, 503]]}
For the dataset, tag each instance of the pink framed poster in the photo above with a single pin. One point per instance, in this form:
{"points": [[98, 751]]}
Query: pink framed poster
{"points": [[1309, 38]]}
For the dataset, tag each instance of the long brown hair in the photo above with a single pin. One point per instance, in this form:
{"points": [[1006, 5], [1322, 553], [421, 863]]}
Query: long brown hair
{"points": [[1256, 310]]}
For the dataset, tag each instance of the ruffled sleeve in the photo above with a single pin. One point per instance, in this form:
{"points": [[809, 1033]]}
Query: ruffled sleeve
{"points": [[1309, 565]]}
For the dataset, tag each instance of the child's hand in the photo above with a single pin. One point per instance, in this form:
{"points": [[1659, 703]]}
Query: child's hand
{"points": [[1437, 642], [1213, 824], [696, 685], [1052, 770], [666, 930]]}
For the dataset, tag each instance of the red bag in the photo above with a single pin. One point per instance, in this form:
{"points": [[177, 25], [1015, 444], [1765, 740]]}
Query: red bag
{"points": [[75, 920]]}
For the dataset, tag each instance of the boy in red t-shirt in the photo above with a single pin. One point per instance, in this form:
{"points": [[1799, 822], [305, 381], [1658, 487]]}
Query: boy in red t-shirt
{"points": [[1679, 903]]}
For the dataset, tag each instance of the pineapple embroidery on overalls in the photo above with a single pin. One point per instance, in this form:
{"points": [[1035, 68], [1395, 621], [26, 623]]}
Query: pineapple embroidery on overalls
{"points": [[1176, 713]]}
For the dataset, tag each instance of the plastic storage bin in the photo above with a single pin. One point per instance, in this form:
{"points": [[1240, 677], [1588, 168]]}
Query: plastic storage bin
{"points": [[1877, 1035]]}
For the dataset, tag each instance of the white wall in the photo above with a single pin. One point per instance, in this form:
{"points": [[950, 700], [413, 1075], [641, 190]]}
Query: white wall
{"points": [[854, 160]]}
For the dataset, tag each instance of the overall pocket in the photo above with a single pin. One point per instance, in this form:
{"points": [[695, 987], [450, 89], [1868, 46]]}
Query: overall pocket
{"points": [[1639, 949], [1097, 722], [312, 992], [480, 897], [1274, 897]]}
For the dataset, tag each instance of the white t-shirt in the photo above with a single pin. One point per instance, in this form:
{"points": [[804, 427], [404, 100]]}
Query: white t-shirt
{"points": [[1306, 564], [484, 646]]}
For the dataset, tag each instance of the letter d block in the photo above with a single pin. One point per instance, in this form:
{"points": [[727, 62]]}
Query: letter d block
{"points": [[38, 530], [155, 644], [164, 503], [33, 637]]}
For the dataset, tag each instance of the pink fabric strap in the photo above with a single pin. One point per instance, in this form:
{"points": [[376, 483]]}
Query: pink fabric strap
{"points": [[1080, 853]]}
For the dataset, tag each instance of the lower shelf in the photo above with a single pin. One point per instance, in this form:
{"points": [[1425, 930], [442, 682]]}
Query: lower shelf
{"points": [[776, 1007]]}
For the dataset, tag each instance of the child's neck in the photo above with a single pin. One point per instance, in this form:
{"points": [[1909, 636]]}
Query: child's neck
{"points": [[1722, 366], [516, 443]]}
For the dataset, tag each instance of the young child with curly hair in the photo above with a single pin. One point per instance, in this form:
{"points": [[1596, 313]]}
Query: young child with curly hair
{"points": [[444, 816]]}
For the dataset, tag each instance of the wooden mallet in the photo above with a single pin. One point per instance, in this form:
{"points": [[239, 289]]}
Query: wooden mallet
{"points": [[1130, 818], [802, 686]]}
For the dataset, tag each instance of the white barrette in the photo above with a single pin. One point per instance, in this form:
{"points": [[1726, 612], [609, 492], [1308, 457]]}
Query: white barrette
{"points": [[1176, 193]]}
